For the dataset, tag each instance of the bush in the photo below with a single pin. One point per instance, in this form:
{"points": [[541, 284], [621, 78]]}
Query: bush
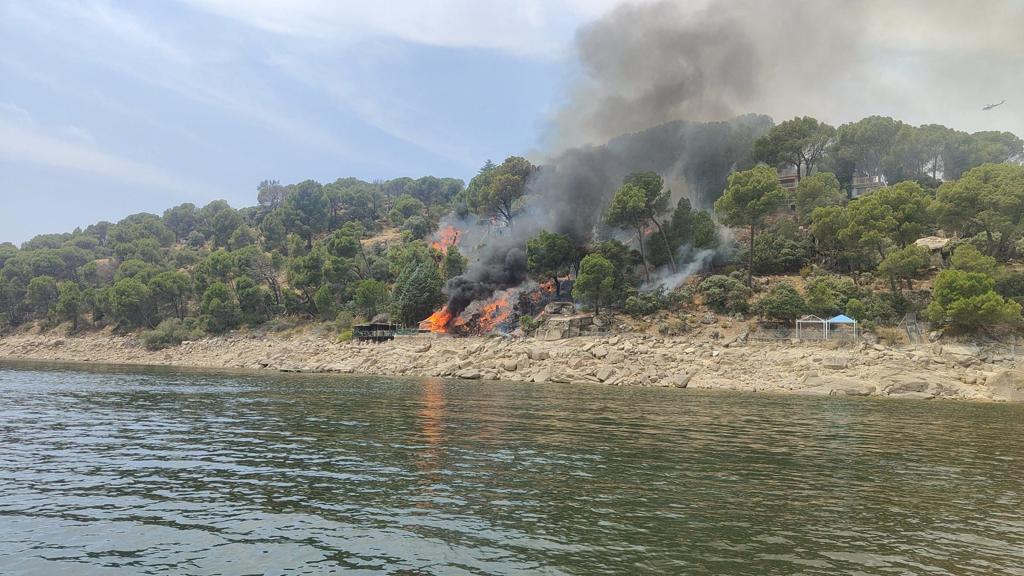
{"points": [[829, 295], [528, 324], [170, 332], [645, 304], [782, 302], [968, 301], [724, 294], [779, 254]]}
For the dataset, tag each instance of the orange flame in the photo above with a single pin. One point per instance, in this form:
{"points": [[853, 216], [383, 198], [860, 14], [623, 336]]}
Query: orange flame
{"points": [[438, 321], [493, 313], [446, 238]]}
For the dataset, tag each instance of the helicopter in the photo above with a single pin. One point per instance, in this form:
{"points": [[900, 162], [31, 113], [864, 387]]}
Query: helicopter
{"points": [[991, 106]]}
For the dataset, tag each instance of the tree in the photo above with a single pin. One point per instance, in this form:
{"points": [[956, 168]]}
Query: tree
{"points": [[406, 207], [867, 142], [270, 193], [417, 294], [170, 290], [454, 263], [749, 197], [306, 210], [182, 220], [817, 191], [656, 198], [966, 151], [903, 265], [219, 308], [506, 184], [371, 298], [549, 255], [218, 221], [255, 303], [988, 199], [131, 303], [894, 215], [969, 259], [70, 303], [41, 295], [968, 301], [800, 142], [595, 284], [628, 210], [782, 302]]}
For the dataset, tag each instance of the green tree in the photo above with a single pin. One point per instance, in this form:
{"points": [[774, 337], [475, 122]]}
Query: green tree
{"points": [[406, 207], [454, 263], [220, 309], [326, 303], [629, 210], [866, 143], [131, 303], [817, 191], [170, 291], [306, 210], [219, 221], [800, 142], [782, 302], [70, 303], [506, 184], [372, 297], [270, 193], [595, 284], [968, 301], [255, 303], [903, 265], [549, 255], [987, 200], [182, 220], [41, 295], [417, 294], [969, 259], [749, 197]]}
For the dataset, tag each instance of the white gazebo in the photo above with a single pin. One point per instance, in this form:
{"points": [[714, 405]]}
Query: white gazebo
{"points": [[810, 326]]}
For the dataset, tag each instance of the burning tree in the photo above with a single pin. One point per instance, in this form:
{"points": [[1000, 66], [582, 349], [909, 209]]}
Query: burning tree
{"points": [[550, 255]]}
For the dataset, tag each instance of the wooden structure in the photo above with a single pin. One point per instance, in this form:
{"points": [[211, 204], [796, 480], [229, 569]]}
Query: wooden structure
{"points": [[374, 332]]}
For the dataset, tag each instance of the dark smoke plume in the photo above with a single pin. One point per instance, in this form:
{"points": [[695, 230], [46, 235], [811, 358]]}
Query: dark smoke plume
{"points": [[660, 91]]}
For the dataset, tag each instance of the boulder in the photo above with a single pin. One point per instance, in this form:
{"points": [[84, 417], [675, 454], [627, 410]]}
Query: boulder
{"points": [[708, 318], [604, 373], [1007, 385], [678, 380], [600, 351], [469, 374], [835, 362]]}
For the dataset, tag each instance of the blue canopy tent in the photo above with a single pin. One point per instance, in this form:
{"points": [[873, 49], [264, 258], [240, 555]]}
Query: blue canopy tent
{"points": [[841, 320]]}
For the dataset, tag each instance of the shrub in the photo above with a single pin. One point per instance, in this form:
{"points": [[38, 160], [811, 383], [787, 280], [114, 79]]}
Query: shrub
{"points": [[528, 323], [782, 302], [725, 294], [968, 300], [645, 304], [170, 332]]}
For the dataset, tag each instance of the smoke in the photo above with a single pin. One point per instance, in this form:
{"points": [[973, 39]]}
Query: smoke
{"points": [[663, 86]]}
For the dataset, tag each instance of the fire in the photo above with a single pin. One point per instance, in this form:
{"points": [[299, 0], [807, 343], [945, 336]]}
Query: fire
{"points": [[493, 313], [446, 238], [438, 321]]}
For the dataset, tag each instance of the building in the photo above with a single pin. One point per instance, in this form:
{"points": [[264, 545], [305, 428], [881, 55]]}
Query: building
{"points": [[864, 183], [788, 176]]}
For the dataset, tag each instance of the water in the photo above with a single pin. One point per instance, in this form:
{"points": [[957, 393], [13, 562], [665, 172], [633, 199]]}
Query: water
{"points": [[162, 472]]}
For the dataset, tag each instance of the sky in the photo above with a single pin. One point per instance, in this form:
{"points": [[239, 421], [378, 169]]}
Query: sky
{"points": [[109, 108]]}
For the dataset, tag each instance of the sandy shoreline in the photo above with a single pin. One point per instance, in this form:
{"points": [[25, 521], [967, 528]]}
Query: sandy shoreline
{"points": [[950, 370]]}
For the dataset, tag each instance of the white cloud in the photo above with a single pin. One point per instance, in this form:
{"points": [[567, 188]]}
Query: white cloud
{"points": [[529, 27], [23, 141]]}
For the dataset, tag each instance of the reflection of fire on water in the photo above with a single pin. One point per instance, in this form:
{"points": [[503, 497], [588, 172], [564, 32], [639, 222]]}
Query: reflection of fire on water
{"points": [[446, 238]]}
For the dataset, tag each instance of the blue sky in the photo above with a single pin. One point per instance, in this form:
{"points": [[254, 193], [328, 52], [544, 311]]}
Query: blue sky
{"points": [[110, 108]]}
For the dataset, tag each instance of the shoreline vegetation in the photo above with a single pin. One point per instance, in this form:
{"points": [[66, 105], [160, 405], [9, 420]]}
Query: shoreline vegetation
{"points": [[914, 232], [950, 370]]}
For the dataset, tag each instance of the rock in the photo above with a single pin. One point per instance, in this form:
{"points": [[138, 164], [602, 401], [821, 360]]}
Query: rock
{"points": [[539, 354], [600, 351], [878, 347], [542, 376], [912, 395], [1007, 385], [902, 383], [523, 363], [679, 380], [510, 365], [614, 341], [709, 318], [616, 356], [425, 347], [469, 374], [604, 373], [835, 362]]}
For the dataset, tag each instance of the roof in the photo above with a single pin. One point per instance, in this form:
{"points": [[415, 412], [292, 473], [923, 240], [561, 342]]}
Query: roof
{"points": [[841, 319]]}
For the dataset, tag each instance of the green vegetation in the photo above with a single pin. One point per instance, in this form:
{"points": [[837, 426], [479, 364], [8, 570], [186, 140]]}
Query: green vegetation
{"points": [[351, 249]]}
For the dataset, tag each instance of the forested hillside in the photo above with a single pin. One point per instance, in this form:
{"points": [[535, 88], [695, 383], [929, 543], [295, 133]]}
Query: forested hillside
{"points": [[352, 249]]}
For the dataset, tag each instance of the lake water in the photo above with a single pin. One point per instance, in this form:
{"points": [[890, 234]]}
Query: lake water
{"points": [[110, 471]]}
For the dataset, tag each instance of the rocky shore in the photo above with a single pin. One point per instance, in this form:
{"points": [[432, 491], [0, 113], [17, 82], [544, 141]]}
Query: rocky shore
{"points": [[937, 370]]}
